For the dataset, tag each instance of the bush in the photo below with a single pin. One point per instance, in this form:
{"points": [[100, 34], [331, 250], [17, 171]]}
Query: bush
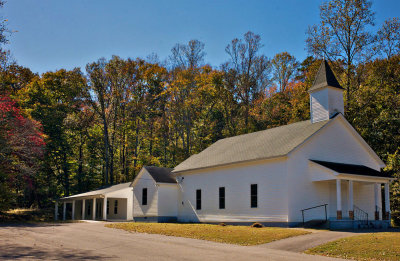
{"points": [[396, 218], [222, 224], [258, 225]]}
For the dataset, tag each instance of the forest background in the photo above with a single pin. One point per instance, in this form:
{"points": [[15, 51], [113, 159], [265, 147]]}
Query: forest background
{"points": [[70, 131]]}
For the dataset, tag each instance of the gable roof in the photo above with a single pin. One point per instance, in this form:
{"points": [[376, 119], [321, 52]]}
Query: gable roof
{"points": [[325, 78], [101, 191], [350, 169], [160, 175], [264, 144]]}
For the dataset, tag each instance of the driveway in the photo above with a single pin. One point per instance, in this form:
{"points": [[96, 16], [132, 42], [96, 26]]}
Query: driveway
{"points": [[86, 241], [301, 243]]}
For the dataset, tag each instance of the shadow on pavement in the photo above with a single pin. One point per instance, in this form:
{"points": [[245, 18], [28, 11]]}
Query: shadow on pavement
{"points": [[24, 252], [35, 224]]}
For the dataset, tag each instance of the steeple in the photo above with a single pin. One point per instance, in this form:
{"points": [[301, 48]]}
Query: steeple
{"points": [[325, 78], [326, 95]]}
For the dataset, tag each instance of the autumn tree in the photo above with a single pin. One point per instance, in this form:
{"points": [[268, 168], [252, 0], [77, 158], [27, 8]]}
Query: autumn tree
{"points": [[377, 102], [343, 34], [247, 72], [190, 55], [21, 148], [284, 69], [98, 94], [50, 99], [389, 37]]}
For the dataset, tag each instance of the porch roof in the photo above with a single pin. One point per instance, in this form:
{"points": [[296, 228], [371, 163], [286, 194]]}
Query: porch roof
{"points": [[350, 169], [100, 192]]}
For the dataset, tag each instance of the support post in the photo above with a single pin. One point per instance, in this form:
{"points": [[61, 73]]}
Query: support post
{"points": [[73, 210], [64, 210], [83, 209], [338, 199], [105, 208], [351, 200], [376, 194], [94, 209], [56, 211], [387, 202]]}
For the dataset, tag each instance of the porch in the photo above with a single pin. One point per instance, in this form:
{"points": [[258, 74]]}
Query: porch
{"points": [[110, 203], [358, 196]]}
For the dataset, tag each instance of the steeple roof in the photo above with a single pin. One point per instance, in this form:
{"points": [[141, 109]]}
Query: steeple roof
{"points": [[325, 78]]}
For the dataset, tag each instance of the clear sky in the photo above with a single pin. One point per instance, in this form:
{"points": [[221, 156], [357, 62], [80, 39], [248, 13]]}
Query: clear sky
{"points": [[55, 34]]}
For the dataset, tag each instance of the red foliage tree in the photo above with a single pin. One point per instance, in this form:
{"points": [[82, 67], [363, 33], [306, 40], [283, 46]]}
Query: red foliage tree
{"points": [[21, 145]]}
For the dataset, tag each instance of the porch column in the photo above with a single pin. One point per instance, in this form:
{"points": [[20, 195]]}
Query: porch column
{"points": [[351, 201], [105, 208], [94, 209], [376, 193], [73, 210], [64, 210], [387, 202], [56, 211], [338, 199], [83, 209]]}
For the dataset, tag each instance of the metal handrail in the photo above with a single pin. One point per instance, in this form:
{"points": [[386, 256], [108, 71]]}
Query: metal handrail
{"points": [[360, 214], [323, 205]]}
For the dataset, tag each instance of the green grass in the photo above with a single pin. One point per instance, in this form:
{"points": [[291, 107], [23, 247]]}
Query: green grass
{"points": [[374, 246], [239, 235]]}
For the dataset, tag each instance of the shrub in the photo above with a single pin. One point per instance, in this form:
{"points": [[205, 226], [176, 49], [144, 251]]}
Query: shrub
{"points": [[258, 225], [396, 218], [222, 224]]}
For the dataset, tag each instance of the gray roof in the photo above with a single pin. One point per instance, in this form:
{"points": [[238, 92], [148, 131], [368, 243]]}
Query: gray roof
{"points": [[160, 175], [101, 191], [325, 78], [264, 144]]}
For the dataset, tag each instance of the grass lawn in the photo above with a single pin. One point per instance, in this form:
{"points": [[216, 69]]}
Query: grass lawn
{"points": [[240, 235], [374, 246]]}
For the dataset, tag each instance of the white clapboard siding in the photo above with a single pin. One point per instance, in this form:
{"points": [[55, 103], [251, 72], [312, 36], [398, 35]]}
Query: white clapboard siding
{"points": [[334, 143], [151, 209]]}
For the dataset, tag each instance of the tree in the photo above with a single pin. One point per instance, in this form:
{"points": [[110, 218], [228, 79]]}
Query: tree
{"points": [[342, 34], [389, 37], [189, 55], [284, 68], [21, 148], [99, 94], [377, 102], [50, 99], [247, 72]]}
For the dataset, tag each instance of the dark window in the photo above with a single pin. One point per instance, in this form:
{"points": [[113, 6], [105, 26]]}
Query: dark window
{"points": [[116, 207], [198, 199], [222, 197], [253, 195], [108, 207], [88, 209], [144, 196]]}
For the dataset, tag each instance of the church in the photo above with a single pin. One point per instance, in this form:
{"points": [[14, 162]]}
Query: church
{"points": [[318, 169]]}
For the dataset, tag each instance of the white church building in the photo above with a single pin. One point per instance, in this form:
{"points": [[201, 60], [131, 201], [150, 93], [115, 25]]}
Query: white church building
{"points": [[318, 169]]}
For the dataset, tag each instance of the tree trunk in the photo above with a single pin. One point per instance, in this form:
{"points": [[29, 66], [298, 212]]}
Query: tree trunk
{"points": [[106, 148], [66, 173], [80, 167], [136, 146]]}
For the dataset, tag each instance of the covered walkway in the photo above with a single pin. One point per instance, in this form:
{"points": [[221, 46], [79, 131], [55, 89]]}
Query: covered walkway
{"points": [[113, 202]]}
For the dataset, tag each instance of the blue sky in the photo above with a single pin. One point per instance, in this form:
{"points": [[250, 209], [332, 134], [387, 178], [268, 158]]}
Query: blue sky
{"points": [[55, 34]]}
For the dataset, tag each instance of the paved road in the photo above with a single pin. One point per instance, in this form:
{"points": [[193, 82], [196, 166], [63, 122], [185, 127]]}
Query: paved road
{"points": [[93, 241]]}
